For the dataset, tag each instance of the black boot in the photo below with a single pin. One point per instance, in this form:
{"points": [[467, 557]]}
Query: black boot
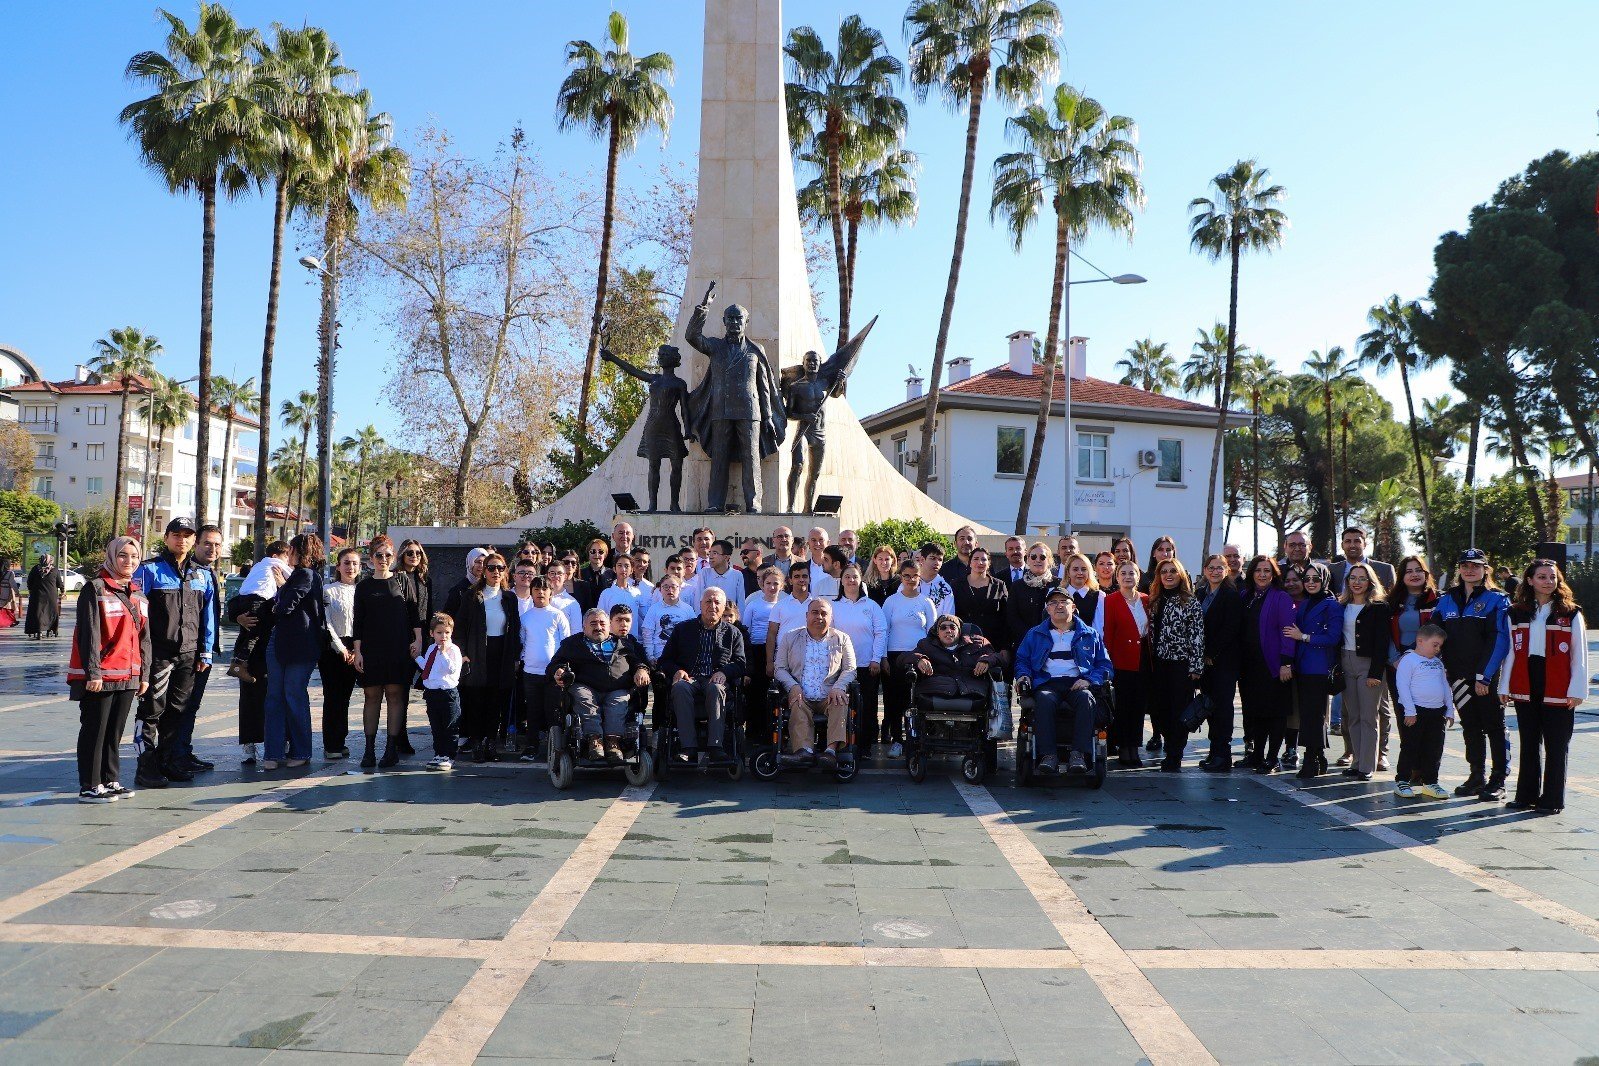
{"points": [[1473, 784], [370, 759], [173, 772], [405, 744], [1493, 790], [148, 774], [391, 753]]}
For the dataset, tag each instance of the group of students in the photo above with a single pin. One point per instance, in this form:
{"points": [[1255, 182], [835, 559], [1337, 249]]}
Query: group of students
{"points": [[1311, 649]]}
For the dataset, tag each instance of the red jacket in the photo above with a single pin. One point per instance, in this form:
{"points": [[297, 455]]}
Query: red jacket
{"points": [[111, 643], [1122, 639]]}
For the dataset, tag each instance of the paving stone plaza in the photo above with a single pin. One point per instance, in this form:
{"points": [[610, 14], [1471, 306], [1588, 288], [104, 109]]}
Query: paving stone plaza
{"points": [[323, 916]]}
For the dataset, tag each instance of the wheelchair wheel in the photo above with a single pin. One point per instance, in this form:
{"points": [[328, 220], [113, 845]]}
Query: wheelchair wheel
{"points": [[1096, 778], [916, 766], [663, 755], [736, 771], [846, 772], [561, 769], [765, 765], [1024, 764], [974, 768], [641, 771]]}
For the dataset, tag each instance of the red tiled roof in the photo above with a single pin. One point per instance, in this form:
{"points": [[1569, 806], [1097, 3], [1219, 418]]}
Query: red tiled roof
{"points": [[138, 386], [1002, 381]]}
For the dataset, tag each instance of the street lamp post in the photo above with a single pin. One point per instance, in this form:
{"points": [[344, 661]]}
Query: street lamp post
{"points": [[1066, 329]]}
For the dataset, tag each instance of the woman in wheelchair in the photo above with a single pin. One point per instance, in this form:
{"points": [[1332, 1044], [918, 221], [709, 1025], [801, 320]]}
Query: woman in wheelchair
{"points": [[952, 663], [1063, 660], [815, 667]]}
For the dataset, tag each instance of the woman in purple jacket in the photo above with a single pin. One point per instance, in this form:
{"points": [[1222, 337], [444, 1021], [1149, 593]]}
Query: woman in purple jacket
{"points": [[1266, 661], [1318, 629]]}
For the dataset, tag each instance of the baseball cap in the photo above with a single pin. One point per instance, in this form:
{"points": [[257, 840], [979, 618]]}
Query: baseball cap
{"points": [[1056, 591], [1473, 555], [181, 524]]}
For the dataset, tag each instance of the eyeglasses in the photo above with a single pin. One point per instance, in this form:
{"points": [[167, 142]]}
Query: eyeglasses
{"points": [[412, 551], [1035, 556], [495, 567], [596, 551], [382, 555], [948, 625]]}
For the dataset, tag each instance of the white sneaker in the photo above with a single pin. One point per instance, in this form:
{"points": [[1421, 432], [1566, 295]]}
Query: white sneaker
{"points": [[97, 794], [117, 792], [440, 763], [896, 750], [247, 754]]}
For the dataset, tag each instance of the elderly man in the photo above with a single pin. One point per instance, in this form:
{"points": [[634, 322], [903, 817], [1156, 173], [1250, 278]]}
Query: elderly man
{"points": [[957, 569], [602, 670], [782, 549], [815, 667], [1296, 550], [822, 582], [703, 660], [1235, 563], [623, 541], [1061, 659]]}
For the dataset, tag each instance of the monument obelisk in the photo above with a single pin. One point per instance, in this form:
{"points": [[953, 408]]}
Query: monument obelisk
{"points": [[747, 239]]}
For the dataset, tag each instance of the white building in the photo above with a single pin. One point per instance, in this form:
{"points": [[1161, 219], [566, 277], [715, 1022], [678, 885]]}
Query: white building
{"points": [[1141, 458], [74, 427]]}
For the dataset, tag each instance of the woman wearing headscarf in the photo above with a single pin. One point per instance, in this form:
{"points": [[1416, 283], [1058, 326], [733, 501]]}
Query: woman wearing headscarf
{"points": [[8, 592], [109, 668], [1318, 628], [46, 586], [489, 634]]}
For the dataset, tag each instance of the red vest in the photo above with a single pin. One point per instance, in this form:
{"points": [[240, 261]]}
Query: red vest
{"points": [[120, 633], [1556, 654]]}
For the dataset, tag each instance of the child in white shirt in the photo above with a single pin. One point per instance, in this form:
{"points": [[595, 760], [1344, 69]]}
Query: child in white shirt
{"points": [[259, 588], [1426, 706], [440, 667]]}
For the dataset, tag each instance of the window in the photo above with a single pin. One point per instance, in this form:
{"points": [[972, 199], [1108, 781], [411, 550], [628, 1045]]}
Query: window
{"points": [[96, 413], [1092, 450], [185, 495], [1171, 462], [1009, 445], [95, 453], [899, 456], [39, 414], [95, 485], [188, 430], [44, 486]]}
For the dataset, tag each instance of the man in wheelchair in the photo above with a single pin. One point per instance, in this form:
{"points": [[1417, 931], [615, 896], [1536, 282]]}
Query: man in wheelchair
{"points": [[953, 662], [602, 670], [815, 667], [1062, 660], [703, 660]]}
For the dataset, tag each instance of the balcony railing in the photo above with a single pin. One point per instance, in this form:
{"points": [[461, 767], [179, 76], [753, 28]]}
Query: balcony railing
{"points": [[46, 494], [44, 462], [46, 425]]}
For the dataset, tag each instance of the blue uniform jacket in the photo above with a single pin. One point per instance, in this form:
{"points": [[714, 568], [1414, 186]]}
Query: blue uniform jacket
{"points": [[1093, 662], [1479, 625], [1322, 622], [182, 606]]}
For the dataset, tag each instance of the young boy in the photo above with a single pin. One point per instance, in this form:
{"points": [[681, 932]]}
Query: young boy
{"points": [[259, 589], [441, 673], [666, 615], [1427, 704], [544, 626]]}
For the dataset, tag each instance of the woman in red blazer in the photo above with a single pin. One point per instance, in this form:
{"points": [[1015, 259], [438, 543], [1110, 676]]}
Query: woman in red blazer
{"points": [[1126, 627]]}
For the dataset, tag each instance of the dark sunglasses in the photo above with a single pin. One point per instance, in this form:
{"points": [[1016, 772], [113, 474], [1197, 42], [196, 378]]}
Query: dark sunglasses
{"points": [[495, 567], [412, 551]]}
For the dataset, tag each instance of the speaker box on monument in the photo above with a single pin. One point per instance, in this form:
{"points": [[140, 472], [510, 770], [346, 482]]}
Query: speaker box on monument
{"points": [[1552, 550]]}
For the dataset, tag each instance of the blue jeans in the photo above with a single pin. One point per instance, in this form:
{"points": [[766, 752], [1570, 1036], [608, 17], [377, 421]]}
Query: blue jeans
{"points": [[1054, 696], [444, 716], [288, 705]]}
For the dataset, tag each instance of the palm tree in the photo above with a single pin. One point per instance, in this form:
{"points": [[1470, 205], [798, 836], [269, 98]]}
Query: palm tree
{"points": [[124, 355], [1260, 378], [879, 187], [363, 168], [838, 101], [619, 96], [1203, 370], [1388, 502], [1083, 162], [1240, 214], [303, 89], [366, 442], [287, 470], [199, 122], [167, 407], [233, 398], [1391, 343], [1148, 366], [301, 414], [965, 48], [1328, 373]]}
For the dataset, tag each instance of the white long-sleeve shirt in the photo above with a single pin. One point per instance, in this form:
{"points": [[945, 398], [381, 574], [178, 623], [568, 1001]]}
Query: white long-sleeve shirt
{"points": [[1422, 682], [757, 614], [940, 592], [637, 598], [445, 672], [1538, 641], [543, 629], [568, 605], [731, 584], [862, 620], [909, 618]]}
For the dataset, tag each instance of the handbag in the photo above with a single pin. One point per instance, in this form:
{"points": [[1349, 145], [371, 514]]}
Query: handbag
{"points": [[1335, 678], [1196, 714], [1000, 725]]}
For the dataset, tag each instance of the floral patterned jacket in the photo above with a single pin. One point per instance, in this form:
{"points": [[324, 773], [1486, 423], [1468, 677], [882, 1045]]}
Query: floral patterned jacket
{"points": [[1177, 630]]}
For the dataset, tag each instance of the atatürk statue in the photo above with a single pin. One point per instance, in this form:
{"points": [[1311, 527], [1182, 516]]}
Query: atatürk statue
{"points": [[806, 391], [664, 431], [736, 411]]}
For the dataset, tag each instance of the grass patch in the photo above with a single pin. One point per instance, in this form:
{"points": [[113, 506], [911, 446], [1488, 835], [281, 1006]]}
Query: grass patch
{"points": [[743, 838], [476, 851], [1084, 861]]}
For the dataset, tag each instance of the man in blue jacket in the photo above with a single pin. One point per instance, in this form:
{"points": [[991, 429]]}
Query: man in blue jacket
{"points": [[1062, 659], [182, 596]]}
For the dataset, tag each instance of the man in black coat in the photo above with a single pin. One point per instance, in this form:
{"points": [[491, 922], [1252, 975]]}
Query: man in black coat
{"points": [[602, 671], [703, 661]]}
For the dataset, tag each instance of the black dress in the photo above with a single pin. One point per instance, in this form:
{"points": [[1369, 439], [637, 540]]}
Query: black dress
{"points": [[45, 589], [387, 616], [986, 608]]}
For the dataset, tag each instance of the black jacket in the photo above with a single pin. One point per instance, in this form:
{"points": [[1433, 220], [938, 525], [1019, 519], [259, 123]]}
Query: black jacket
{"points": [[953, 668], [471, 636], [1026, 608], [586, 594], [591, 671], [1224, 633], [1374, 636], [683, 648], [299, 617], [986, 608]]}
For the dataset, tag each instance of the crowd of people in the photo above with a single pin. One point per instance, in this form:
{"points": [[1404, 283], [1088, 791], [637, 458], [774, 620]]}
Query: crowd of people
{"points": [[1352, 663]]}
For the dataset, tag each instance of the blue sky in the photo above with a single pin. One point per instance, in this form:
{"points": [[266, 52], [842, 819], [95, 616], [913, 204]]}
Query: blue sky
{"points": [[1386, 122]]}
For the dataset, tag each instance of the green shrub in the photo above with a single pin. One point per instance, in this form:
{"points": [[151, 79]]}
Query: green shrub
{"points": [[573, 536], [901, 535]]}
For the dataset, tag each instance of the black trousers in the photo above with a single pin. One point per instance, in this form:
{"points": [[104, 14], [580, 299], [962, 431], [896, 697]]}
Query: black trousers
{"points": [[252, 711], [1403, 763], [1482, 724], [539, 696], [1266, 700], [896, 701], [866, 727], [1132, 701], [1425, 740], [161, 706], [1219, 683], [101, 718], [1312, 697], [338, 682], [1170, 690], [1545, 737]]}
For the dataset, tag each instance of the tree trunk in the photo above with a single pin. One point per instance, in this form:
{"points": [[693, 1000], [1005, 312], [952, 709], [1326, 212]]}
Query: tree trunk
{"points": [[226, 506], [1332, 474], [612, 155], [208, 269], [463, 469], [1471, 455], [1254, 498], [834, 137], [263, 449], [1343, 464], [1518, 452], [1227, 384], [1057, 293], [360, 486], [328, 335], [305, 454], [117, 478], [1421, 470], [974, 111], [851, 240]]}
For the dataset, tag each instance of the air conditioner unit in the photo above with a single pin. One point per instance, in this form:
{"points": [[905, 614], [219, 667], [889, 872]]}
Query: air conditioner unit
{"points": [[913, 457], [1148, 459]]}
